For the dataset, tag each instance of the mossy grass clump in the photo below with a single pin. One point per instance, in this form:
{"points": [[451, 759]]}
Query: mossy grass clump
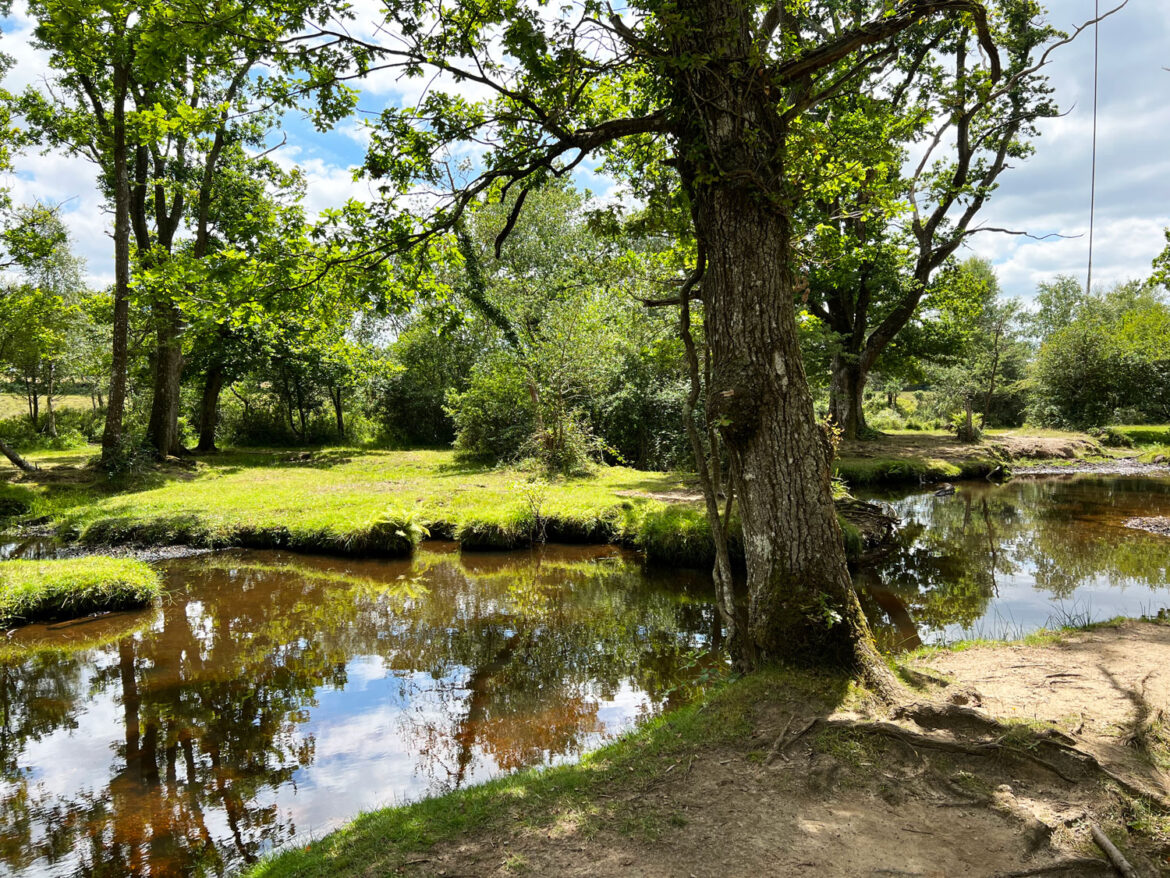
{"points": [[33, 591], [14, 500], [858, 471]]}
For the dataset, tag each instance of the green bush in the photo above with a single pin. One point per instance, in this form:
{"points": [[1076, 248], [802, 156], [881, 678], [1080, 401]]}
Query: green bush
{"points": [[493, 418]]}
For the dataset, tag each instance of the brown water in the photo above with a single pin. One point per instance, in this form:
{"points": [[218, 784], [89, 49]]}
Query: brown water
{"points": [[275, 696], [1000, 561]]}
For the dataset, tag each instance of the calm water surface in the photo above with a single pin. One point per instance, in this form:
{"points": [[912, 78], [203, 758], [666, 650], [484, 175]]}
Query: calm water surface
{"points": [[274, 696], [999, 561]]}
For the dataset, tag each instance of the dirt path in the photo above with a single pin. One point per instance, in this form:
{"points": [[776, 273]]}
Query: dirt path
{"points": [[1008, 789]]}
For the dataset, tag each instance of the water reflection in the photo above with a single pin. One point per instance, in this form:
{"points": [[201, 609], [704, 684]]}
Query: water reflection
{"points": [[275, 696], [1002, 560]]}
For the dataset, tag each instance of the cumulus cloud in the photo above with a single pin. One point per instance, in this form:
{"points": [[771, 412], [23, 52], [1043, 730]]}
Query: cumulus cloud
{"points": [[1050, 192]]}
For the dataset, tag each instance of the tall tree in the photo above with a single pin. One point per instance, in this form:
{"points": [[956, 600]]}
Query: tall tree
{"points": [[876, 240], [154, 93], [717, 91]]}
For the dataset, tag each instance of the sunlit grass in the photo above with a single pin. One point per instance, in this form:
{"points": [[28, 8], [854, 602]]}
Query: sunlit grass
{"points": [[36, 590], [14, 405]]}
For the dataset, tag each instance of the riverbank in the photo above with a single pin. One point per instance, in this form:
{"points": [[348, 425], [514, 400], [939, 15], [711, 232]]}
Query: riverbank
{"points": [[33, 591], [937, 457], [1000, 763], [372, 503]]}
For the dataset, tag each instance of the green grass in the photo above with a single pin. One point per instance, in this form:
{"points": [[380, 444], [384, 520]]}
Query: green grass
{"points": [[42, 590], [14, 405], [587, 795], [1147, 434], [376, 503], [858, 471]]}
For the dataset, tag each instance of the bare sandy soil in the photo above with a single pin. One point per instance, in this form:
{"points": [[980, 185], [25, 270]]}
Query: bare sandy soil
{"points": [[998, 766]]}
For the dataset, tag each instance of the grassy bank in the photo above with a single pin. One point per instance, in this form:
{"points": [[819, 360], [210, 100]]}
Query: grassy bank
{"points": [[934, 456], [592, 793], [41, 590], [806, 766], [372, 503]]}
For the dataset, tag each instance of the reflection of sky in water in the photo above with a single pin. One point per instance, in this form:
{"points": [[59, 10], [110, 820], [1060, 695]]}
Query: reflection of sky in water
{"points": [[342, 736], [1001, 561]]}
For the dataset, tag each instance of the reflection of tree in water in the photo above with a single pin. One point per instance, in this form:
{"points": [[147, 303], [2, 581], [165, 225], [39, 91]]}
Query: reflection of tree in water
{"points": [[953, 552], [510, 664]]}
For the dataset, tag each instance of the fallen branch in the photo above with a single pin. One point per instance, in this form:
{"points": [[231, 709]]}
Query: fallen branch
{"points": [[1120, 863], [17, 461]]}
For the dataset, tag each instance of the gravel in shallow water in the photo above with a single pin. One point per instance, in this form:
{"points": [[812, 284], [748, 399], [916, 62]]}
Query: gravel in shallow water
{"points": [[1153, 525]]}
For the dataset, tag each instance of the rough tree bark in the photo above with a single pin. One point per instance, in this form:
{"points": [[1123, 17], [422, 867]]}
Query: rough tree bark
{"points": [[213, 383], [163, 428], [847, 396], [17, 461], [115, 410], [801, 603]]}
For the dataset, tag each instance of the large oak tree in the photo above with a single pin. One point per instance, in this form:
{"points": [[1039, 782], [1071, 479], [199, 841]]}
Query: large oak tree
{"points": [[720, 93]]}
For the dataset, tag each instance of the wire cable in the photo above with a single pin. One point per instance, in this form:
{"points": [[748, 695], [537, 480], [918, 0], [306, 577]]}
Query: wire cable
{"points": [[1093, 173]]}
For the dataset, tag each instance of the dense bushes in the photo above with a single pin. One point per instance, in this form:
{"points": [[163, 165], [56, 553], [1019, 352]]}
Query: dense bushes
{"points": [[1109, 363], [493, 418]]}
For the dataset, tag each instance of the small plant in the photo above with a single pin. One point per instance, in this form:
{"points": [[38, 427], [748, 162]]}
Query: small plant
{"points": [[963, 426], [533, 492], [397, 530], [130, 460]]}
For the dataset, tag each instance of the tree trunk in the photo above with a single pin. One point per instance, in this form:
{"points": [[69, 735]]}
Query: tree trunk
{"points": [[209, 407], [801, 604], [17, 461], [335, 396], [847, 396], [162, 432], [34, 400], [112, 434], [51, 416], [802, 607]]}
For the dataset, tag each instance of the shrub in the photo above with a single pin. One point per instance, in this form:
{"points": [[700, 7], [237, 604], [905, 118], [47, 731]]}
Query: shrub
{"points": [[493, 418]]}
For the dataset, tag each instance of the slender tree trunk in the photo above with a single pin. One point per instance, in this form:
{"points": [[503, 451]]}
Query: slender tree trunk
{"points": [[213, 383], [335, 396], [51, 416], [34, 400], [162, 432], [991, 383], [847, 396], [115, 411]]}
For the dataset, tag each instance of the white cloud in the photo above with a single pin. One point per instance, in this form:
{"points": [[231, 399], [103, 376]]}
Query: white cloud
{"points": [[1047, 194]]}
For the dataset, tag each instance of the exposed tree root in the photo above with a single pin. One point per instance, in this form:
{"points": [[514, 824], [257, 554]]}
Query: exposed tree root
{"points": [[1049, 749], [1120, 863]]}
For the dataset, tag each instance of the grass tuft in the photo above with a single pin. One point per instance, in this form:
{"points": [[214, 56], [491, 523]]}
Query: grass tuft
{"points": [[44, 590]]}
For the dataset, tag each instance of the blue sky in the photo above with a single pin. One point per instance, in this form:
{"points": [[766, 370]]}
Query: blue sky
{"points": [[1048, 194]]}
